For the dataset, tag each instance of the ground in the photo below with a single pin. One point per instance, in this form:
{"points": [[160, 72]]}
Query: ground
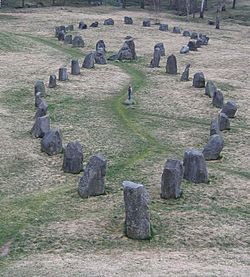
{"points": [[46, 229]]}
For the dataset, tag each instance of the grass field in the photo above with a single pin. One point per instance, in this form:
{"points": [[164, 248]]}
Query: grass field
{"points": [[46, 229]]}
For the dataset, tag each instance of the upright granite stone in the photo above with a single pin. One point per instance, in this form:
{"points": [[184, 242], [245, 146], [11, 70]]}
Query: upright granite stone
{"points": [[77, 41], [94, 24], [199, 80], [52, 81], [210, 89], [40, 127], [51, 143], [184, 50], [68, 39], [171, 179], [163, 27], [75, 67], [128, 20], [213, 148], [214, 127], [185, 74], [186, 34], [155, 62], [92, 181], [41, 109], [100, 57], [82, 25], [195, 168], [146, 23], [61, 36], [73, 158], [194, 35], [230, 109], [38, 99], [192, 45], [137, 217], [100, 45], [176, 30], [63, 75], [171, 66], [224, 123], [40, 87], [162, 48], [218, 99], [109, 21], [89, 61], [127, 52], [131, 44]]}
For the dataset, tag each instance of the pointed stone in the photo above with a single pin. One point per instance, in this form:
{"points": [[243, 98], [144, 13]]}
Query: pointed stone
{"points": [[51, 143], [213, 148], [89, 61], [52, 81], [73, 158], [230, 109], [40, 127], [185, 74], [75, 67], [41, 109], [218, 99]]}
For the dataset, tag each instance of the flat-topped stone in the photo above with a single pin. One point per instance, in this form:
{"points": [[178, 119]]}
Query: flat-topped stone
{"points": [[213, 148], [73, 157], [40, 127], [51, 143], [171, 66], [230, 109], [218, 99], [210, 89], [199, 80]]}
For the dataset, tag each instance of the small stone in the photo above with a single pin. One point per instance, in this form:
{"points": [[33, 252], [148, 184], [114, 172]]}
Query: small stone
{"points": [[146, 23], [199, 80], [82, 25], [185, 74], [63, 75], [186, 34], [113, 57], [68, 39], [230, 109], [41, 109], [204, 39], [137, 218], [184, 50], [176, 30], [171, 66], [94, 24], [214, 127], [92, 181], [128, 20], [162, 48], [39, 87], [163, 27], [73, 158], [89, 61], [75, 67], [41, 126], [109, 21], [51, 143], [52, 81], [210, 89], [77, 41], [192, 45], [224, 123], [131, 44], [213, 148], [127, 52], [218, 99], [199, 43]]}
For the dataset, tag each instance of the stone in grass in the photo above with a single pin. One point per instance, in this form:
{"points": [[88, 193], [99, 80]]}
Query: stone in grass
{"points": [[125, 53], [137, 217], [214, 127], [128, 20], [218, 99], [94, 24], [82, 25], [73, 158], [171, 66], [146, 23], [100, 45], [63, 75], [194, 35], [77, 41], [61, 36], [213, 148], [176, 30], [51, 143], [155, 62], [162, 48], [224, 122], [184, 50], [52, 81], [131, 44], [70, 27], [198, 43], [192, 45], [199, 80], [230, 109], [38, 99], [163, 27], [41, 109], [68, 39], [171, 179], [89, 61], [109, 21], [210, 88], [195, 168], [185, 74], [92, 183], [100, 57], [39, 87], [186, 34], [75, 67], [40, 127]]}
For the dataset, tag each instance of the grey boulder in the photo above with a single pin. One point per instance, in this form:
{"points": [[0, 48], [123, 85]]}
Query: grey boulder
{"points": [[51, 143], [89, 61], [73, 158], [199, 80], [210, 89], [218, 99], [230, 109], [40, 127], [171, 66], [213, 148]]}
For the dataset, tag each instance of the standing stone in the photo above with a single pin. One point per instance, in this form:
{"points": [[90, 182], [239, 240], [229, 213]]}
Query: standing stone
{"points": [[41, 126], [198, 43], [63, 75], [224, 123], [94, 24], [230, 109], [82, 25], [51, 143], [218, 99], [155, 62], [100, 57], [131, 45], [184, 50], [171, 67], [176, 30], [185, 74], [75, 67], [61, 36], [77, 41], [194, 35], [137, 218], [127, 52], [38, 99], [40, 87], [42, 109], [186, 34], [92, 181], [73, 158], [68, 39], [195, 168], [210, 89], [163, 27], [70, 27], [128, 20], [162, 48], [89, 61], [52, 81], [192, 45], [213, 148], [214, 127], [204, 39], [146, 23], [199, 80], [171, 179], [109, 21], [100, 45]]}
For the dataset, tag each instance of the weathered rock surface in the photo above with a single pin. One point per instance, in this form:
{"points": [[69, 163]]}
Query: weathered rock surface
{"points": [[89, 61], [51, 143], [185, 74], [192, 45], [171, 67], [176, 30], [199, 80], [155, 62], [94, 24], [73, 158], [52, 81], [77, 41], [100, 45], [40, 127], [184, 50], [41, 109], [218, 99], [40, 87], [210, 89], [82, 25], [163, 27], [38, 99], [100, 57], [186, 34], [214, 127], [224, 123], [68, 39], [146, 23], [213, 148], [230, 109]]}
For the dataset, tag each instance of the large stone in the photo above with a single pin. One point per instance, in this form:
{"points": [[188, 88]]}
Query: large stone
{"points": [[109, 21], [194, 35], [230, 109], [184, 50], [163, 27], [210, 89], [213, 148], [94, 24], [195, 168], [52, 81], [38, 99], [162, 48], [68, 39], [176, 30], [192, 45], [61, 36], [39, 87], [224, 122], [127, 52], [92, 183], [77, 41], [137, 218], [63, 75], [198, 43], [199, 80], [51, 143], [75, 67], [131, 44], [73, 158], [186, 34], [171, 179], [100, 45], [128, 20], [185, 74], [171, 66], [214, 127], [82, 25], [41, 109], [218, 99], [155, 62], [89, 61], [146, 23], [100, 57], [40, 127]]}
